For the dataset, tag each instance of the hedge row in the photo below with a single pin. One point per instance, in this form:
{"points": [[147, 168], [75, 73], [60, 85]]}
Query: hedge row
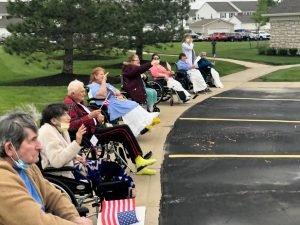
{"points": [[278, 51]]}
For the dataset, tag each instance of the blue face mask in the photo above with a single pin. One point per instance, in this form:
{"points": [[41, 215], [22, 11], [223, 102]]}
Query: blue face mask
{"points": [[20, 164]]}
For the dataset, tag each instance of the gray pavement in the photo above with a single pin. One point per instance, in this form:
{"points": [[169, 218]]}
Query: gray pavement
{"points": [[243, 191]]}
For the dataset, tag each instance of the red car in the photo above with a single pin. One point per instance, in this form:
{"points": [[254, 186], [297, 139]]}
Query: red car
{"points": [[218, 37]]}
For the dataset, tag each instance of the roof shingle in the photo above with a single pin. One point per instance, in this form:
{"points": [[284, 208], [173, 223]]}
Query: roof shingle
{"points": [[222, 6], [246, 6]]}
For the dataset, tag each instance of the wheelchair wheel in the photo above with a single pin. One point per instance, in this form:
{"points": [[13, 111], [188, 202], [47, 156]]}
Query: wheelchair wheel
{"points": [[64, 189], [156, 86]]}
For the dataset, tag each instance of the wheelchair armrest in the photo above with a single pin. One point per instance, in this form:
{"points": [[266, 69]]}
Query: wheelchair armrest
{"points": [[62, 169]]}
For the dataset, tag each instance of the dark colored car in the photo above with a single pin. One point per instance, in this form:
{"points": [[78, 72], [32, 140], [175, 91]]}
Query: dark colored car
{"points": [[218, 37], [234, 37]]}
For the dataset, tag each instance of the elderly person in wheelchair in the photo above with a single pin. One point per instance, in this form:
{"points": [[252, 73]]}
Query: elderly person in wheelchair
{"points": [[199, 84], [135, 116], [26, 196], [93, 122], [59, 151], [207, 69], [133, 84], [164, 76]]}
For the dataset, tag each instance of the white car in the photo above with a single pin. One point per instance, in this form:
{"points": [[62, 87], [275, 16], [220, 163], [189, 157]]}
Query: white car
{"points": [[264, 35]]}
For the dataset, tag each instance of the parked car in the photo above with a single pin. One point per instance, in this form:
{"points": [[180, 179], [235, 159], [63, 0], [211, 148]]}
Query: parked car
{"points": [[264, 35], [253, 36], [234, 37], [197, 37], [218, 37]]}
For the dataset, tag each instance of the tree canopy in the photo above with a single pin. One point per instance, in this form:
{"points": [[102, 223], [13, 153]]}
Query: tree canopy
{"points": [[91, 25]]}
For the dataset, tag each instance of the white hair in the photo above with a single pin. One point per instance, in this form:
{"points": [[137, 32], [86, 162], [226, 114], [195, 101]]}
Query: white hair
{"points": [[74, 85]]}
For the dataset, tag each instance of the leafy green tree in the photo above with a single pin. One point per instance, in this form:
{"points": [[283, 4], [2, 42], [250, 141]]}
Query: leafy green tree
{"points": [[152, 21], [66, 25], [262, 8]]}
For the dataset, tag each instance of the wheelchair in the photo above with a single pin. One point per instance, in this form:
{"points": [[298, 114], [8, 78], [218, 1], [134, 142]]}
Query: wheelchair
{"points": [[148, 84], [182, 77], [206, 73], [84, 191]]}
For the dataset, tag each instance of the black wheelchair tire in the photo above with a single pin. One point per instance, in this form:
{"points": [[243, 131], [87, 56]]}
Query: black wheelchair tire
{"points": [[156, 86], [64, 189]]}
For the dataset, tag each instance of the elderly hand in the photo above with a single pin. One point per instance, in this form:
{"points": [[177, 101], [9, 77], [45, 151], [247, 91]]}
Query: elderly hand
{"points": [[95, 114], [154, 62], [81, 159], [81, 131], [100, 118]]}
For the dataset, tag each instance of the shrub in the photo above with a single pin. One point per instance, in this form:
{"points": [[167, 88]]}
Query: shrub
{"points": [[262, 50], [271, 51], [282, 52], [293, 51]]}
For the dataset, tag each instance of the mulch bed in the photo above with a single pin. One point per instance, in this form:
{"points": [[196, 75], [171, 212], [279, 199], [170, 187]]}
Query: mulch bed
{"points": [[59, 80]]}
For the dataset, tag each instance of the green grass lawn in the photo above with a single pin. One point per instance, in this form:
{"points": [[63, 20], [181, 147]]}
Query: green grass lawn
{"points": [[287, 75], [246, 51], [14, 68], [39, 96]]}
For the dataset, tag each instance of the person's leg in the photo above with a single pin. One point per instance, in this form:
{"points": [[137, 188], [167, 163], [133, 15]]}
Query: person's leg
{"points": [[176, 86], [216, 78], [123, 134], [151, 98], [199, 83]]}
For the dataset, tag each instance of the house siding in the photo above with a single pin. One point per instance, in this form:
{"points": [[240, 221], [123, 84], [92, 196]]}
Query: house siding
{"points": [[285, 32]]}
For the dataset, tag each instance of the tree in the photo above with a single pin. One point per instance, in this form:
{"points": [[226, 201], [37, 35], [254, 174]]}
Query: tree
{"points": [[262, 8], [68, 25], [152, 21]]}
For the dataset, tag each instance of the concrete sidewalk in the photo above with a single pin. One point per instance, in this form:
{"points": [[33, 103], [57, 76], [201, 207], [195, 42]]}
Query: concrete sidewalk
{"points": [[149, 187]]}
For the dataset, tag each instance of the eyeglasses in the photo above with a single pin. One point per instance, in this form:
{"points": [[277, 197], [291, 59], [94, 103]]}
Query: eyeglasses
{"points": [[135, 60], [156, 58]]}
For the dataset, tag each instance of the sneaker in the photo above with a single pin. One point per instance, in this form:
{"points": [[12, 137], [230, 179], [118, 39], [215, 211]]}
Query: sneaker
{"points": [[201, 92], [140, 162], [186, 100], [146, 171], [155, 121]]}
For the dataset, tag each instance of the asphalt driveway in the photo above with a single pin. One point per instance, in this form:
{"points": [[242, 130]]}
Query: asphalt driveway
{"points": [[237, 191]]}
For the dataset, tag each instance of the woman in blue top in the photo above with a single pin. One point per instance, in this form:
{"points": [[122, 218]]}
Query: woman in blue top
{"points": [[135, 116]]}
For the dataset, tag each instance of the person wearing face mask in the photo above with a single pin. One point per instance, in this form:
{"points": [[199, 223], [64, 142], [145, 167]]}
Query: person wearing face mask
{"points": [[199, 84], [133, 84], [58, 150], [135, 116], [26, 196]]}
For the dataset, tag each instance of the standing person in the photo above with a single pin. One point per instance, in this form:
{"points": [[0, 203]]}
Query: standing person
{"points": [[134, 115], [26, 196], [133, 83], [188, 49], [199, 85], [158, 71]]}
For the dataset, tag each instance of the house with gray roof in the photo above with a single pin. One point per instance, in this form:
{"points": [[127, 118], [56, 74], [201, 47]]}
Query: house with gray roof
{"points": [[210, 26], [285, 24], [246, 22]]}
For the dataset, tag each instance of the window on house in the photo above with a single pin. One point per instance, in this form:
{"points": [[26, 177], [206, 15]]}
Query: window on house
{"points": [[231, 15], [222, 15]]}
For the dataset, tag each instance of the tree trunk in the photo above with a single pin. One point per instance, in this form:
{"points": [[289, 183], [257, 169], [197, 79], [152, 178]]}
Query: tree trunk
{"points": [[68, 57], [139, 47]]}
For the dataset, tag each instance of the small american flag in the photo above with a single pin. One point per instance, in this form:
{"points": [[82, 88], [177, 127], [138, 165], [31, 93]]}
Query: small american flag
{"points": [[118, 212]]}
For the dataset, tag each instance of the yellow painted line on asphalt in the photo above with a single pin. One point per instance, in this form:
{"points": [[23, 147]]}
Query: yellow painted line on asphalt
{"points": [[231, 156], [239, 120], [259, 99]]}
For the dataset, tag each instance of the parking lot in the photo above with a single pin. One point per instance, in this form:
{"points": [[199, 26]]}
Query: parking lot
{"points": [[233, 159]]}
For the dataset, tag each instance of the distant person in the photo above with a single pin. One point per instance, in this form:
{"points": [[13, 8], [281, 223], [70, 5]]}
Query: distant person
{"points": [[133, 83], [134, 115], [158, 71], [188, 49], [208, 68], [199, 85], [26, 197]]}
